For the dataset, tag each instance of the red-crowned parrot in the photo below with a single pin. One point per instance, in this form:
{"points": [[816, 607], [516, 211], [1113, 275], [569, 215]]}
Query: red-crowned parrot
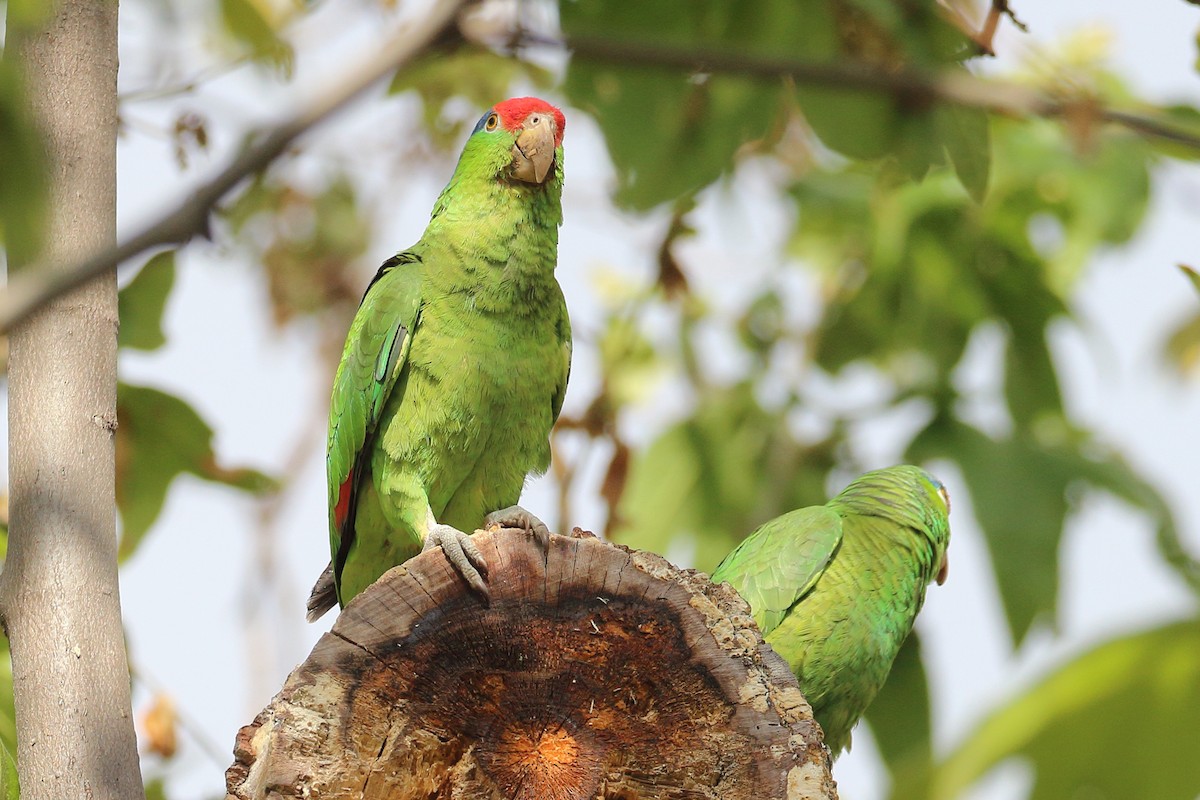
{"points": [[455, 365]]}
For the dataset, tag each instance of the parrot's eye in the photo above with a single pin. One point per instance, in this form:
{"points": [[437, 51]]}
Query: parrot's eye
{"points": [[534, 119], [492, 122]]}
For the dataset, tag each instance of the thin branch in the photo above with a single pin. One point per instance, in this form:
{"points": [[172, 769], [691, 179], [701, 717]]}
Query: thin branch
{"points": [[914, 86], [987, 37], [36, 285], [184, 87]]}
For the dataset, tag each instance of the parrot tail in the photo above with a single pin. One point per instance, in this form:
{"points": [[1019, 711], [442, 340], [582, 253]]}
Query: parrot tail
{"points": [[323, 596]]}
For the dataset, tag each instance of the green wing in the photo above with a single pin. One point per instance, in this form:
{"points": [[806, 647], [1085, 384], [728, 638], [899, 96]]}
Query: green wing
{"points": [[778, 564], [564, 338], [375, 354]]}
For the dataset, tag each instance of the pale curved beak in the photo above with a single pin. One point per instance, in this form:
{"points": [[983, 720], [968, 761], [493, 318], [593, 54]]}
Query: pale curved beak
{"points": [[944, 570], [533, 152]]}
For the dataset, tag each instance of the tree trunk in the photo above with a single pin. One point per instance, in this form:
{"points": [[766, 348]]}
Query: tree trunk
{"points": [[597, 673], [58, 594]]}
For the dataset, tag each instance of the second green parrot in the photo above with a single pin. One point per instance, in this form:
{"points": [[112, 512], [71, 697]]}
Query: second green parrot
{"points": [[455, 366], [835, 588]]}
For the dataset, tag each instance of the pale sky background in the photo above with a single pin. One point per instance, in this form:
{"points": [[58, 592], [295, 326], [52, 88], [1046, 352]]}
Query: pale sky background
{"points": [[187, 608]]}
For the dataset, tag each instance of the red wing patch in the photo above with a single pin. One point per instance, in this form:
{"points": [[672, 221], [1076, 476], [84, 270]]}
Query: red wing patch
{"points": [[343, 504]]}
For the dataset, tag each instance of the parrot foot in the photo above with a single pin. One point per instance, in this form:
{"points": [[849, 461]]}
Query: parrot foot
{"points": [[517, 517], [462, 554]]}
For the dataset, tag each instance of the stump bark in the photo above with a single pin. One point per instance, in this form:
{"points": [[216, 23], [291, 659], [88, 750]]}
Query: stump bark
{"points": [[596, 673]]}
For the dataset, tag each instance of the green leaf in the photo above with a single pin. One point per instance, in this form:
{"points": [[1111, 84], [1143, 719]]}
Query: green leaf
{"points": [[1117, 722], [246, 23], [1181, 350], [965, 133], [468, 72], [686, 132], [22, 173], [857, 124], [899, 719], [141, 303], [160, 437], [1110, 473], [27, 14], [9, 785], [156, 789], [1022, 489], [8, 718], [670, 132], [1030, 380], [1019, 496], [905, 290], [1097, 197], [707, 482], [1191, 275]]}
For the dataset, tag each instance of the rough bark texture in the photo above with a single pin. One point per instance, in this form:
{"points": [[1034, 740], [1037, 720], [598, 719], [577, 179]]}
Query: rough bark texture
{"points": [[596, 672], [59, 593]]}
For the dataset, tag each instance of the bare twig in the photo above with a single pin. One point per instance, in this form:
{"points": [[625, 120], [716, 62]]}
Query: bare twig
{"points": [[985, 38], [183, 87], [39, 283]]}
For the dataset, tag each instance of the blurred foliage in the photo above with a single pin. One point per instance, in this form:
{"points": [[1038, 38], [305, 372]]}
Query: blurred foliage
{"points": [[1181, 348], [156, 789], [1119, 721], [900, 719], [140, 305], [26, 13], [9, 784], [701, 485], [307, 241], [255, 28], [690, 127], [919, 227], [1192, 276], [159, 436], [938, 224], [457, 71], [22, 161]]}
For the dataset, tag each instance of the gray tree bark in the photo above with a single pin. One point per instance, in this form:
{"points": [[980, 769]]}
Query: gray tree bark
{"points": [[58, 594]]}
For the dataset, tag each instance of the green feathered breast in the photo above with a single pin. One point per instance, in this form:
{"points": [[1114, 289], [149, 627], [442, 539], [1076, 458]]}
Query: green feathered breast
{"points": [[454, 368], [835, 588]]}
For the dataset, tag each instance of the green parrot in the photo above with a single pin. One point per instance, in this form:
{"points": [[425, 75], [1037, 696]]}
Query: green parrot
{"points": [[455, 366], [835, 588]]}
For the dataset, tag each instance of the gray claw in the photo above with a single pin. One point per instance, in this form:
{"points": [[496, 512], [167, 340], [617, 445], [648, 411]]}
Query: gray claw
{"points": [[462, 554], [517, 517]]}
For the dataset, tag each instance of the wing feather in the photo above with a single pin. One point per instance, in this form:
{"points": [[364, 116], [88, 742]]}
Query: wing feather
{"points": [[375, 355], [777, 565]]}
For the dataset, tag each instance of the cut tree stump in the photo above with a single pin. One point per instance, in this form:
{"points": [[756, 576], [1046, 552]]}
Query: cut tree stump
{"points": [[596, 673]]}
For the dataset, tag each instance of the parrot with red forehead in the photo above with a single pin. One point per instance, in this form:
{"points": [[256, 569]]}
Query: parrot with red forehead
{"points": [[455, 366]]}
